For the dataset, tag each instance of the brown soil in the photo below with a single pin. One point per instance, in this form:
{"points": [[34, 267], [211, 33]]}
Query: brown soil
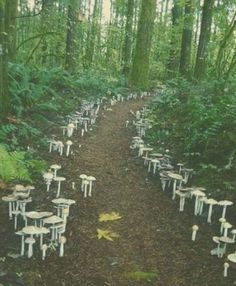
{"points": [[154, 236]]}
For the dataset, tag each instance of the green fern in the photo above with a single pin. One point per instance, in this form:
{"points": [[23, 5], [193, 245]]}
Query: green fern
{"points": [[12, 166]]}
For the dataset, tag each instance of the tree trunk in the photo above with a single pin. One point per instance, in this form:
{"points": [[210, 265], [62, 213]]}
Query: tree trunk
{"points": [[200, 66], [128, 36], [72, 19], [10, 27], [173, 62], [4, 98], [186, 46], [140, 65], [92, 37]]}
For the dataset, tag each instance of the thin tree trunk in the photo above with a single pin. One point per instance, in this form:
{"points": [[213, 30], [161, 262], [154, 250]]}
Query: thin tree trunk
{"points": [[200, 66], [10, 27], [186, 46], [140, 65], [173, 62], [4, 98], [128, 36], [70, 59]]}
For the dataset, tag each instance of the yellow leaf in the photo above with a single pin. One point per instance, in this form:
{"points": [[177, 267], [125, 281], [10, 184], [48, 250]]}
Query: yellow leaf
{"points": [[109, 216], [107, 234]]}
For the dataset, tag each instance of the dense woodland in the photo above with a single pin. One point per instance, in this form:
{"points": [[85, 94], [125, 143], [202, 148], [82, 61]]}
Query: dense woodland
{"points": [[54, 52], [57, 54]]}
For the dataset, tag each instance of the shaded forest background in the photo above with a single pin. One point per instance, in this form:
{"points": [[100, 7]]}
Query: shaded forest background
{"points": [[54, 53]]}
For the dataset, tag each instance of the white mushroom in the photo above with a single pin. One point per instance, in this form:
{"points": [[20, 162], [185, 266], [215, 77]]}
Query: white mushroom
{"points": [[55, 167], [197, 193], [22, 234], [48, 179], [44, 248], [222, 221], [194, 229], [11, 199], [233, 231], [224, 203], [91, 179], [226, 227], [226, 266], [62, 241], [68, 143], [86, 184], [59, 180], [30, 241], [210, 202], [217, 251], [70, 129]]}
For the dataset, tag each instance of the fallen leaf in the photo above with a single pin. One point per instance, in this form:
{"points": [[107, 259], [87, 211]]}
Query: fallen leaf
{"points": [[109, 216], [107, 234]]}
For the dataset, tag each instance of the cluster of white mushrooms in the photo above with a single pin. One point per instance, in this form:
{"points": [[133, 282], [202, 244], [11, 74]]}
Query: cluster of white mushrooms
{"points": [[37, 225], [176, 179]]}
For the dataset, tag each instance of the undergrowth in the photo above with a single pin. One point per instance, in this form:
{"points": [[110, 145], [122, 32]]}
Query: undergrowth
{"points": [[198, 123]]}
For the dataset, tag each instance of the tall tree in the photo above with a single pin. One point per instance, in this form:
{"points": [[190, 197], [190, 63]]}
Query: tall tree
{"points": [[72, 20], [10, 27], [140, 64], [4, 99], [204, 39], [185, 56], [128, 36], [173, 61]]}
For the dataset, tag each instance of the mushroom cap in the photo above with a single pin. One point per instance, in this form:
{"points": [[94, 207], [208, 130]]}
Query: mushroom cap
{"points": [[83, 176], [198, 193], [55, 167], [211, 202], [226, 265], [180, 164], [147, 149], [91, 178], [86, 182], [53, 219], [195, 227], [225, 203], [48, 176], [69, 142], [9, 198], [33, 215], [44, 247], [233, 231], [62, 239], [63, 201], [216, 239], [29, 188], [21, 195], [175, 176], [222, 220], [31, 229], [232, 257], [19, 188], [30, 240], [226, 239], [227, 225], [59, 179], [200, 189], [71, 125], [203, 199]]}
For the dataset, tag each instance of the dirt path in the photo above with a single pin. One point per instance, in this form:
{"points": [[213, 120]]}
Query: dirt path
{"points": [[154, 237]]}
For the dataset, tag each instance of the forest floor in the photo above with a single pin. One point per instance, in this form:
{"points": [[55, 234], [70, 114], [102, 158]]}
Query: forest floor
{"points": [[154, 246]]}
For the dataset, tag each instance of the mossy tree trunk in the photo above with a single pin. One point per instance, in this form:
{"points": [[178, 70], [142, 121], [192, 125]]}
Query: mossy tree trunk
{"points": [[186, 46], [128, 37], [201, 59], [4, 98], [72, 20], [140, 64]]}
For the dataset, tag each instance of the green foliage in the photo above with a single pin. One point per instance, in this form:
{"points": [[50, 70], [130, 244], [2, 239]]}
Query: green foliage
{"points": [[18, 165], [199, 122]]}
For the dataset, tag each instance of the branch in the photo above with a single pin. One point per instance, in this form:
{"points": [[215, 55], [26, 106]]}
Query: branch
{"points": [[35, 37]]}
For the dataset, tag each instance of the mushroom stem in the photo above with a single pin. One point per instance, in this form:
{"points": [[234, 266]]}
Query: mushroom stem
{"points": [[68, 150], [194, 233], [226, 266], [58, 189], [174, 189], [44, 249], [209, 214]]}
